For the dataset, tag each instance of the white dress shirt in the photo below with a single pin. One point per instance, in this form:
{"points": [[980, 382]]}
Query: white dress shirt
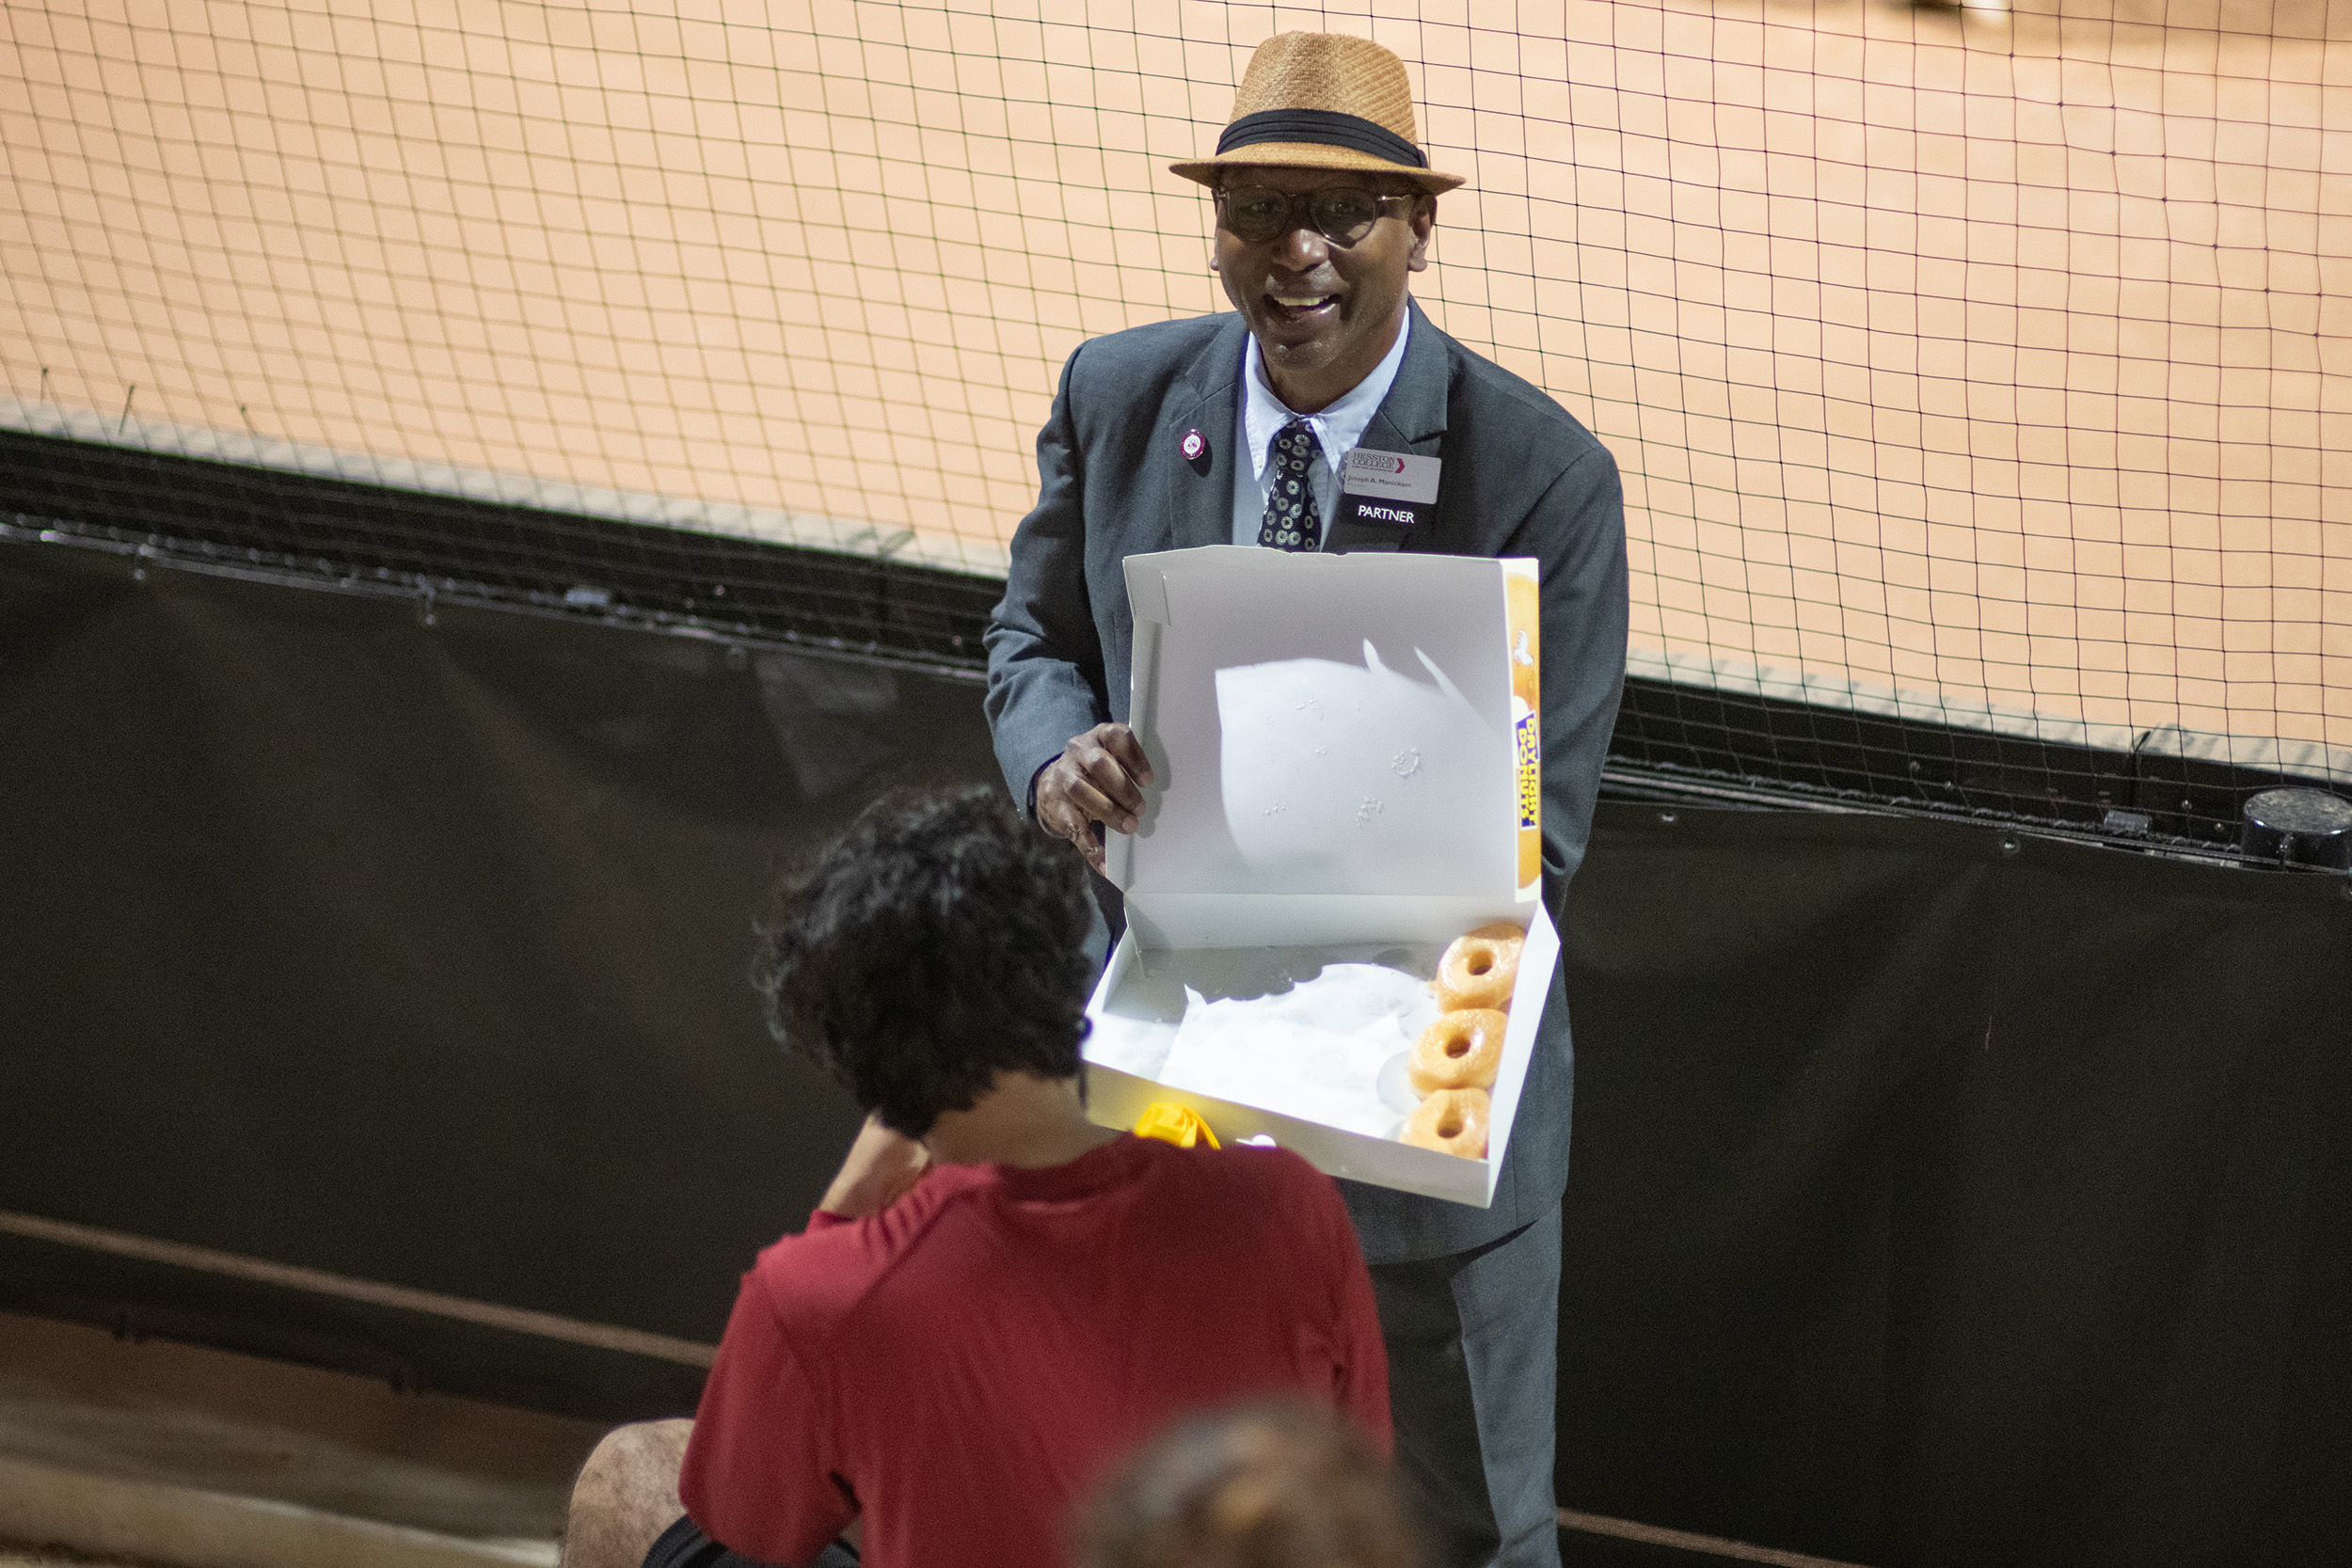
{"points": [[1338, 427]]}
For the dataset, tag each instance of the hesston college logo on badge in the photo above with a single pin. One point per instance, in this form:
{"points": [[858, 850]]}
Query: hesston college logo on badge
{"points": [[1393, 487]]}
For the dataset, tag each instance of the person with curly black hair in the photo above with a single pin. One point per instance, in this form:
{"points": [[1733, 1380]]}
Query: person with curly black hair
{"points": [[926, 953], [996, 1299]]}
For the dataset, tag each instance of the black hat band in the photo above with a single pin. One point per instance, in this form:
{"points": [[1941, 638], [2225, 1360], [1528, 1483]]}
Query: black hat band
{"points": [[1328, 126]]}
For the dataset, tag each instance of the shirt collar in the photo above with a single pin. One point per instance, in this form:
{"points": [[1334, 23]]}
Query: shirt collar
{"points": [[1338, 427]]}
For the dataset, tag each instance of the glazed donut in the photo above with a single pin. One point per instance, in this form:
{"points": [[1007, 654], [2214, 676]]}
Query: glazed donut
{"points": [[1461, 1051], [1479, 969], [1452, 1121]]}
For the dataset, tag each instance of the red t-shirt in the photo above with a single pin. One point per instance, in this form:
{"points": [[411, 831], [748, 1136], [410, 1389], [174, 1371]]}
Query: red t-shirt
{"points": [[966, 1364]]}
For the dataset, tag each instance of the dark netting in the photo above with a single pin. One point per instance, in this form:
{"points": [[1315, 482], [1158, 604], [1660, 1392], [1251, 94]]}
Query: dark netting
{"points": [[1978, 375], [374, 539]]}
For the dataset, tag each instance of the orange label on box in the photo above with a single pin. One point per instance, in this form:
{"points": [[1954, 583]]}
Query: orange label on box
{"points": [[1528, 757], [1522, 623]]}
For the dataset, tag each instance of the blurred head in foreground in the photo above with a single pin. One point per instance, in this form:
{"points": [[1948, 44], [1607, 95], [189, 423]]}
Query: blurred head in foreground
{"points": [[1281, 1484], [937, 942]]}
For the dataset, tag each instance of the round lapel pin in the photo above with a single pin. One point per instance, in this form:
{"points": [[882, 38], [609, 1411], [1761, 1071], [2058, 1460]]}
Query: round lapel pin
{"points": [[1195, 444]]}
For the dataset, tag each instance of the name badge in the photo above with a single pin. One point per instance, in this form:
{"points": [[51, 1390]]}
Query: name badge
{"points": [[1392, 488]]}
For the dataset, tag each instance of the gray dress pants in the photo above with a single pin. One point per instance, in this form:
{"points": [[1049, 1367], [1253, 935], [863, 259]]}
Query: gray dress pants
{"points": [[1474, 1341]]}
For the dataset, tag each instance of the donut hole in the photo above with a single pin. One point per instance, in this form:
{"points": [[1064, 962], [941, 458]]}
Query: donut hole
{"points": [[1449, 1127], [1479, 962], [1458, 1046]]}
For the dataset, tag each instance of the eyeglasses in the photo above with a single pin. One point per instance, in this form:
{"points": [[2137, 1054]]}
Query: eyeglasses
{"points": [[1342, 213]]}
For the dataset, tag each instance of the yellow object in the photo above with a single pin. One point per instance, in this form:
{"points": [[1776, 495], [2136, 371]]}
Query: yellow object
{"points": [[1522, 609], [1180, 1125], [1522, 616]]}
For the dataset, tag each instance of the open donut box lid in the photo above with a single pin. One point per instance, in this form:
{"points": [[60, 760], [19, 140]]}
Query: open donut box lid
{"points": [[1339, 759]]}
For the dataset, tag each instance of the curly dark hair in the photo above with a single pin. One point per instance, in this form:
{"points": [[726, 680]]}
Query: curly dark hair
{"points": [[937, 942]]}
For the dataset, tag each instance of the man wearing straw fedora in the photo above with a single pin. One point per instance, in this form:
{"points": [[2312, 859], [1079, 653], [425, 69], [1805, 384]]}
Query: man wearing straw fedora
{"points": [[1232, 429]]}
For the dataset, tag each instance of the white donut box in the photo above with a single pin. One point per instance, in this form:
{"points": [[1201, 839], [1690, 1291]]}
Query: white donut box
{"points": [[1338, 763]]}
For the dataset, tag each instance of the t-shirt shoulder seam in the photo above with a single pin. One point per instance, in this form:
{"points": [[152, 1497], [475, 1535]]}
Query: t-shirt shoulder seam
{"points": [[787, 1342], [830, 1325]]}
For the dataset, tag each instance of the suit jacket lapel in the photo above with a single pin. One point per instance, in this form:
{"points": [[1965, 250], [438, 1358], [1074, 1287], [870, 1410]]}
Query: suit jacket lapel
{"points": [[1205, 398], [1411, 418]]}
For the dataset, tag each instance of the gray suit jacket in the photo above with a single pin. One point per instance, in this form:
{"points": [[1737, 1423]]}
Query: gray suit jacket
{"points": [[1521, 478]]}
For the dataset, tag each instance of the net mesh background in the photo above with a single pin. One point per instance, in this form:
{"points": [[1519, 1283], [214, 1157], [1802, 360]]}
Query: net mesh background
{"points": [[1978, 366]]}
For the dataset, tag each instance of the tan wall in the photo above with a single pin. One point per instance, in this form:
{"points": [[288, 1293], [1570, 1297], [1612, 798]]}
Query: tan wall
{"points": [[2000, 358]]}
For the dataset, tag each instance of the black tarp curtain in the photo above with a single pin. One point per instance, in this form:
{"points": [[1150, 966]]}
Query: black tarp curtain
{"points": [[1940, 1195]]}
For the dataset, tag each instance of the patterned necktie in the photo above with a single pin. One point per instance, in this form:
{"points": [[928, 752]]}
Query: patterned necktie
{"points": [[1293, 520]]}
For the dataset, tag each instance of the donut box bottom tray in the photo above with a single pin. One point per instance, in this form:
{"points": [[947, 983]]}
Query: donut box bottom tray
{"points": [[1305, 1045]]}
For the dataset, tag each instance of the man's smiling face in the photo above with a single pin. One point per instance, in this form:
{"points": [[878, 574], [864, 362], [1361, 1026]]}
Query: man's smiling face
{"points": [[1323, 313]]}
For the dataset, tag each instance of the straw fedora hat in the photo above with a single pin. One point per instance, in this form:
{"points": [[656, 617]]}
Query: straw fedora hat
{"points": [[1322, 100]]}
